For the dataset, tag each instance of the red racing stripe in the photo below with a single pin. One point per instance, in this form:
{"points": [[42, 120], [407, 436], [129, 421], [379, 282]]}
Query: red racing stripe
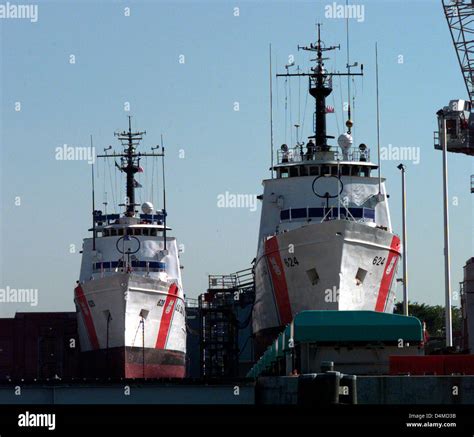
{"points": [[388, 273], [86, 313], [168, 311], [280, 287]]}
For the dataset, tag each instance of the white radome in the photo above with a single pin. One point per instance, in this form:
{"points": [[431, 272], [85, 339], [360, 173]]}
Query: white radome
{"points": [[147, 208], [345, 142]]}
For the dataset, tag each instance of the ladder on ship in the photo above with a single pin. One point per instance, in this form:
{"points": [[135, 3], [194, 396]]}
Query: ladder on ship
{"points": [[220, 324]]}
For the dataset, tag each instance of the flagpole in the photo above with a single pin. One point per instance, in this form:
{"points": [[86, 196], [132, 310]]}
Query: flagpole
{"points": [[93, 199], [379, 176], [271, 112], [164, 189]]}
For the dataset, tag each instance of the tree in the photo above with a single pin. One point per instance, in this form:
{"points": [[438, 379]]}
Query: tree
{"points": [[432, 315]]}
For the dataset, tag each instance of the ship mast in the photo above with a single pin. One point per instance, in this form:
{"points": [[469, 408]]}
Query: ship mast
{"points": [[130, 163], [320, 87]]}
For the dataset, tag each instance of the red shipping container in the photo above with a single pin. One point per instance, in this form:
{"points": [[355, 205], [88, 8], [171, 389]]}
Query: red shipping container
{"points": [[432, 365], [462, 364], [417, 365]]}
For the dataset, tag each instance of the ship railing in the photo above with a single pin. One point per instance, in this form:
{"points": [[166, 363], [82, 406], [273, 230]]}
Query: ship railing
{"points": [[244, 278], [191, 302], [240, 279], [217, 299], [105, 219], [222, 281], [335, 213], [300, 154], [436, 141], [108, 219]]}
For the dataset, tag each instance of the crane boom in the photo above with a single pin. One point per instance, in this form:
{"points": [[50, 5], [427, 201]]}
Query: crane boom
{"points": [[460, 18]]}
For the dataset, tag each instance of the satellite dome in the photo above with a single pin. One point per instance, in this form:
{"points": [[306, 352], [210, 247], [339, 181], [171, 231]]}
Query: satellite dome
{"points": [[147, 208], [345, 142]]}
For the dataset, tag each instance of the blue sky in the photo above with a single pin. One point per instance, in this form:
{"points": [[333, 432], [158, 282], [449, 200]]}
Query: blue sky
{"points": [[135, 59]]}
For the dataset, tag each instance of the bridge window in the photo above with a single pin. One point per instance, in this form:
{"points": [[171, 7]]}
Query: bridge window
{"points": [[353, 213], [152, 266], [314, 170], [316, 212], [369, 213], [356, 212], [285, 214], [297, 213]]}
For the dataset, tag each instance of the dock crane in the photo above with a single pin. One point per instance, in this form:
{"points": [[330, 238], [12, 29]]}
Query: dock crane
{"points": [[458, 114], [456, 134]]}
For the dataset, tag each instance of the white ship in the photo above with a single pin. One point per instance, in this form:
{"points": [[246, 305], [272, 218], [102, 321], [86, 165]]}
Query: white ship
{"points": [[129, 298], [325, 240]]}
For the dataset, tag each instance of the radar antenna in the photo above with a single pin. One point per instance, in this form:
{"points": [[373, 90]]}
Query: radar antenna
{"points": [[320, 86], [130, 162]]}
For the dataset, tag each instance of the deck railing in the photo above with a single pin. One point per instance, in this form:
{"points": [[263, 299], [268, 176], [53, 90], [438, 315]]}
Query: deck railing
{"points": [[299, 154], [235, 280]]}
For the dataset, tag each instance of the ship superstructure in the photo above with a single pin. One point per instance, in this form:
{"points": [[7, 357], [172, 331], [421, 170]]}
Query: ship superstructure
{"points": [[129, 297], [325, 240]]}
